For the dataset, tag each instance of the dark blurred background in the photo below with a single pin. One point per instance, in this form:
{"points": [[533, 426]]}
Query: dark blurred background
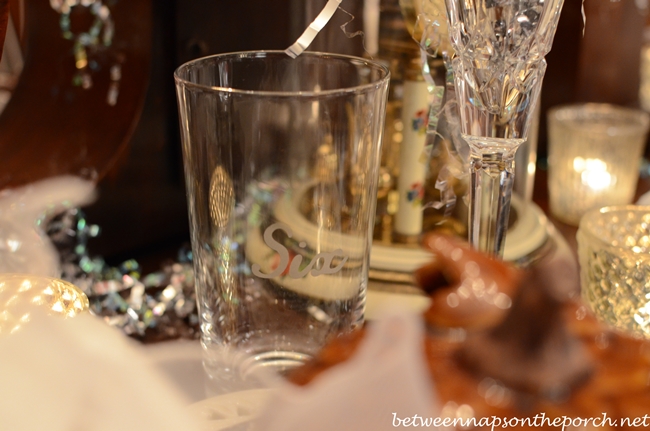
{"points": [[141, 208]]}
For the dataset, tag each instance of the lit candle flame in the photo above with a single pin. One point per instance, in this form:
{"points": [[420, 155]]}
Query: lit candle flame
{"points": [[593, 173]]}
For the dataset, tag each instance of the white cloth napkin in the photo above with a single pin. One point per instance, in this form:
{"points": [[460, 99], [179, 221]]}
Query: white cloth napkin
{"points": [[80, 374], [385, 381]]}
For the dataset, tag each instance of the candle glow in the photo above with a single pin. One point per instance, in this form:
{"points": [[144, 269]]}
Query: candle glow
{"points": [[593, 173]]}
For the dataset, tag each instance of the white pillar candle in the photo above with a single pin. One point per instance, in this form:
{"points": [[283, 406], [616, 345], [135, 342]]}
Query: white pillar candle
{"points": [[413, 160]]}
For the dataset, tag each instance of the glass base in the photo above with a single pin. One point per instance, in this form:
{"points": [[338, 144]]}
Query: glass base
{"points": [[234, 371], [277, 362]]}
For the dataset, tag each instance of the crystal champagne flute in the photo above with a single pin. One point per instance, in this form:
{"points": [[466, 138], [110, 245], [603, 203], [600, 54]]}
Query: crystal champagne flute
{"points": [[498, 70]]}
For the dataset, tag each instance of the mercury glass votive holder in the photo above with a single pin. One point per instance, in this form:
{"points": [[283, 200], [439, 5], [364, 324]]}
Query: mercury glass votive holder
{"points": [[594, 156], [614, 253], [23, 294]]}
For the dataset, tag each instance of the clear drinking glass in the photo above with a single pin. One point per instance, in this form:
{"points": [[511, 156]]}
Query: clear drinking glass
{"points": [[498, 71], [281, 161], [614, 252]]}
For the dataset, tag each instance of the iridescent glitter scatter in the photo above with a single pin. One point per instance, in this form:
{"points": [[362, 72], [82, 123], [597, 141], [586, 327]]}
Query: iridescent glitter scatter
{"points": [[100, 34], [88, 44], [155, 307]]}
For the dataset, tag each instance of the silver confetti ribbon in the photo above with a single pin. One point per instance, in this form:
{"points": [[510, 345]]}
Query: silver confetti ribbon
{"points": [[307, 37]]}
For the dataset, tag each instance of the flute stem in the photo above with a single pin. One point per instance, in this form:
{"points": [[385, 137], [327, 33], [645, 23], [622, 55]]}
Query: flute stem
{"points": [[492, 177]]}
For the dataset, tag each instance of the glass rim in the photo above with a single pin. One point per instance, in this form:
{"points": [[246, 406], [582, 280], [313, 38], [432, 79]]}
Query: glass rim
{"points": [[576, 109], [371, 64], [585, 227]]}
